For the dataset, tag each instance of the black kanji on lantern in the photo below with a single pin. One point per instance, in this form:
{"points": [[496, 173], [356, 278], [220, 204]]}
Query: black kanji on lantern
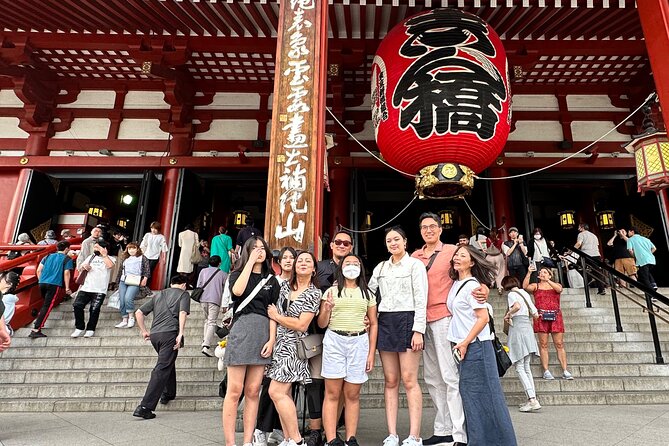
{"points": [[452, 86]]}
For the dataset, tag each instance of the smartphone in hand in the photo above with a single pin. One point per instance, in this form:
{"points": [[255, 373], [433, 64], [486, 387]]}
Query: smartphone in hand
{"points": [[456, 356]]}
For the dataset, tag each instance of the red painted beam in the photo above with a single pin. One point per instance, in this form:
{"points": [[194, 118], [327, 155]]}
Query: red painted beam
{"points": [[654, 16], [258, 18], [241, 16], [113, 164]]}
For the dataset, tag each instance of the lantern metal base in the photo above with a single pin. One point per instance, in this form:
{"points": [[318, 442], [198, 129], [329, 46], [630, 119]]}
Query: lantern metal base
{"points": [[444, 180]]}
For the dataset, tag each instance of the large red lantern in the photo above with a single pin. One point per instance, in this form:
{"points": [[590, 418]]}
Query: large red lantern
{"points": [[441, 103]]}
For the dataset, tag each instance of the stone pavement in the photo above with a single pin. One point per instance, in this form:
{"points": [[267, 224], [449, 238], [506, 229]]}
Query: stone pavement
{"points": [[565, 425]]}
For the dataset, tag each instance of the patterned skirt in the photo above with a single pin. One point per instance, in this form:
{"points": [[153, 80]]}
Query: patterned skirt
{"points": [[286, 367]]}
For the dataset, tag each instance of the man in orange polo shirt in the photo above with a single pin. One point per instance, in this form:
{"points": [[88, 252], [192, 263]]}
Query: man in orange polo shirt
{"points": [[439, 368]]}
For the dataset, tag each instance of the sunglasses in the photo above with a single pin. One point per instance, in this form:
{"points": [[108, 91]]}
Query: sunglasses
{"points": [[346, 243]]}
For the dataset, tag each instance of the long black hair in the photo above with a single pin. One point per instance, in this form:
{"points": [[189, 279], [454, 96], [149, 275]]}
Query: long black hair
{"points": [[246, 253], [314, 277], [360, 281], [12, 279], [482, 270]]}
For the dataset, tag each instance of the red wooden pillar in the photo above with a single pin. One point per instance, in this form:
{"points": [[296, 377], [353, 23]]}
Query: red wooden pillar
{"points": [[37, 143], [16, 205], [654, 15], [166, 217], [501, 198], [340, 191]]}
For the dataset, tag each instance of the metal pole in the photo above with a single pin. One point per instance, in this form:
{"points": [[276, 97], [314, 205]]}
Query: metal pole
{"points": [[653, 329], [588, 304], [614, 299]]}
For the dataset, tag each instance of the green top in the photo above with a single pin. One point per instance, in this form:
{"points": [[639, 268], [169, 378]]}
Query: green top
{"points": [[221, 246], [350, 309]]}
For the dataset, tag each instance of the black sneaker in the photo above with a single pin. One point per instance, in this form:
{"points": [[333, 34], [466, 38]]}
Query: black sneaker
{"points": [[352, 442], [314, 438], [166, 399], [144, 412], [338, 442], [36, 334], [438, 440]]}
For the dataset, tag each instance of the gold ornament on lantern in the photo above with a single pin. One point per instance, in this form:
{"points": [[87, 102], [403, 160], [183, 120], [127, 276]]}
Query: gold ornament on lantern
{"points": [[567, 219]]}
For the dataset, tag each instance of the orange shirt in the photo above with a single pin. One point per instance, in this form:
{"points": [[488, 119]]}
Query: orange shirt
{"points": [[439, 283]]}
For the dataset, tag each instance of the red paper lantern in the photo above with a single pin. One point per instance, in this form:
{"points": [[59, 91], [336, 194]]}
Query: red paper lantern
{"points": [[441, 103]]}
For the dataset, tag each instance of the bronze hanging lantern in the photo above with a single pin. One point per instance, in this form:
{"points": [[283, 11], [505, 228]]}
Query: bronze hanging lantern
{"points": [[240, 218], [446, 217], [605, 220], [567, 219], [651, 152]]}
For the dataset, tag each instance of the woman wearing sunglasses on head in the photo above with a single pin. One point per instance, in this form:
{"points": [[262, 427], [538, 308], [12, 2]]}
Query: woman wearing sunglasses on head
{"points": [[402, 285], [348, 348]]}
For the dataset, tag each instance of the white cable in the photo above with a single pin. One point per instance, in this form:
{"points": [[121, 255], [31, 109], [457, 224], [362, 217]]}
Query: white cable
{"points": [[386, 223], [475, 216], [363, 146], [510, 177]]}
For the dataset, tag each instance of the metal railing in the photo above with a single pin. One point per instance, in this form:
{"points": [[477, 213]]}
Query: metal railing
{"points": [[638, 293]]}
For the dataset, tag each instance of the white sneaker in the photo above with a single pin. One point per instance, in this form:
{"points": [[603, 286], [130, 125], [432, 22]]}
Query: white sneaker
{"points": [[275, 437], [89, 334], [76, 333], [548, 375], [567, 375], [248, 444], [412, 441], [284, 442], [131, 322], [391, 440], [535, 404], [292, 442], [122, 324], [527, 407], [259, 438]]}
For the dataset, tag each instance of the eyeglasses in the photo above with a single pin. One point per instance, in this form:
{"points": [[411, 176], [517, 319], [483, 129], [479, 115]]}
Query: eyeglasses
{"points": [[430, 227], [346, 243]]}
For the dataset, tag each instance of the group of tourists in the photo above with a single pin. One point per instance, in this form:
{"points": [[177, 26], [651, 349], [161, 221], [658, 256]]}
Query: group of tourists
{"points": [[401, 311]]}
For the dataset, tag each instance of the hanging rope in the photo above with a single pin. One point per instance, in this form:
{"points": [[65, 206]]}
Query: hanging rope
{"points": [[474, 214], [532, 172], [363, 231], [381, 160]]}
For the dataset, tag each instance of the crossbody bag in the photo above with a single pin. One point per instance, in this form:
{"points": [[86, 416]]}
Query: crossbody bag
{"points": [[197, 293]]}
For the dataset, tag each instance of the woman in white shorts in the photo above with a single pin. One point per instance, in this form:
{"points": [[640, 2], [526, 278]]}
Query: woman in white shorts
{"points": [[348, 349]]}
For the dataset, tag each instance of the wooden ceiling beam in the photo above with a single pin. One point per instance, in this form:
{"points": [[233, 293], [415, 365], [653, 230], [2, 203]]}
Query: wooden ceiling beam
{"points": [[334, 26], [117, 19], [511, 19], [10, 19], [378, 16], [157, 8], [531, 16], [586, 22], [229, 19], [123, 10], [51, 22], [241, 15], [258, 18], [84, 11], [567, 25], [178, 11], [548, 14], [348, 25], [159, 21], [199, 18], [271, 15], [208, 10], [362, 13], [155, 22], [556, 21]]}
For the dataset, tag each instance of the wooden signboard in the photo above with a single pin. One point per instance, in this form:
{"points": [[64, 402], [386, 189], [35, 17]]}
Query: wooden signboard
{"points": [[294, 196]]}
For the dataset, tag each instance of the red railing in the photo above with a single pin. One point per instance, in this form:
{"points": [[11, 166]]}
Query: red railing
{"points": [[30, 298]]}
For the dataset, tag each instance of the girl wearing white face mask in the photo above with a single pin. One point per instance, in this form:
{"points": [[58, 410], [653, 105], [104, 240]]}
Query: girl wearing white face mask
{"points": [[348, 349]]}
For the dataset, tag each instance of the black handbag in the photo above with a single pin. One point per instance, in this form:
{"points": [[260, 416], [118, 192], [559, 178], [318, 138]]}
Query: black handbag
{"points": [[503, 360], [196, 294]]}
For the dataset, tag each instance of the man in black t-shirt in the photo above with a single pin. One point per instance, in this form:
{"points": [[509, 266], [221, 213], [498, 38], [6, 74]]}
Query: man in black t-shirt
{"points": [[170, 307], [245, 234], [623, 261]]}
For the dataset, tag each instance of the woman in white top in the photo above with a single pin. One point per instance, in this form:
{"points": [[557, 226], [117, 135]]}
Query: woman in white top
{"points": [[133, 273], [402, 302], [522, 343], [188, 242], [154, 246], [488, 419]]}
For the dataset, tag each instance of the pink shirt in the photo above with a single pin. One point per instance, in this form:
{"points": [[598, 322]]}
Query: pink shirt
{"points": [[438, 280]]}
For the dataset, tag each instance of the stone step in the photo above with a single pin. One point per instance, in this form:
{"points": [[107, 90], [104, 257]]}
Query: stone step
{"points": [[189, 389]]}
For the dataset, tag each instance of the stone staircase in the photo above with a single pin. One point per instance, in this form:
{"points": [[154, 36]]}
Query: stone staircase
{"points": [[109, 372]]}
